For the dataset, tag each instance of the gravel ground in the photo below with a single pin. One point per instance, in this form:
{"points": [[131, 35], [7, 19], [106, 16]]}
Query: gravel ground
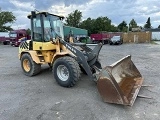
{"points": [[41, 98]]}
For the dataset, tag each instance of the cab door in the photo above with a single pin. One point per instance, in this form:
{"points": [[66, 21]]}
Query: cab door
{"points": [[37, 33], [48, 33]]}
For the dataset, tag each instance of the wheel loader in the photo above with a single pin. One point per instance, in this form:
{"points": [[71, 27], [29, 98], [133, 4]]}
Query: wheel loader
{"points": [[117, 83]]}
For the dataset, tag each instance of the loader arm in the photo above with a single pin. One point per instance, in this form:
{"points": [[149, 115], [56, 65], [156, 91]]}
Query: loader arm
{"points": [[81, 58], [91, 54]]}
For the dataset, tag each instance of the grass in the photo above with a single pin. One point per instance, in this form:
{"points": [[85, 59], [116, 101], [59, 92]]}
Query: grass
{"points": [[153, 42]]}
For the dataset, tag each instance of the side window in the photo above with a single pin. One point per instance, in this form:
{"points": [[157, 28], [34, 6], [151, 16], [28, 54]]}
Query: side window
{"points": [[37, 30], [47, 29], [57, 26], [20, 35]]}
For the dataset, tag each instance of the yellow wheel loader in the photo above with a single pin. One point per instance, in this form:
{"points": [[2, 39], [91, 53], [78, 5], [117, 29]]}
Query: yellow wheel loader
{"points": [[118, 83]]}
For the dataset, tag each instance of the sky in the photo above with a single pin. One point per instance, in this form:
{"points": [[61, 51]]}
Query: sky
{"points": [[115, 10]]}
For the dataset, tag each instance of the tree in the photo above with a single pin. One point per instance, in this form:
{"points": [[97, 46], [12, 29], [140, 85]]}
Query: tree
{"points": [[113, 28], [102, 24], [148, 24], [28, 31], [74, 18], [88, 24], [159, 26], [123, 26], [132, 24], [5, 18]]}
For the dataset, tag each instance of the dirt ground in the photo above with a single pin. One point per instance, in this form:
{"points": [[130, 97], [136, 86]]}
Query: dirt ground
{"points": [[41, 98]]}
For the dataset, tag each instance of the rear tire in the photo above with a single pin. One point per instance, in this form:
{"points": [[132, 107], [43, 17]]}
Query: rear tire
{"points": [[29, 67], [66, 71], [5, 43]]}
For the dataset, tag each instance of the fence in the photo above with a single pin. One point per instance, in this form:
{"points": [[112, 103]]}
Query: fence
{"points": [[137, 37], [156, 36]]}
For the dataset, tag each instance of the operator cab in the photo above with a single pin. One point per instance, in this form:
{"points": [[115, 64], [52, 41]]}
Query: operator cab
{"points": [[45, 27]]}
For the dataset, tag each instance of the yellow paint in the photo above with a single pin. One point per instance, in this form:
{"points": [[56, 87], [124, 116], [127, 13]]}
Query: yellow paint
{"points": [[48, 46], [48, 55], [60, 54], [22, 50], [49, 51], [34, 56], [26, 65], [37, 45], [71, 39]]}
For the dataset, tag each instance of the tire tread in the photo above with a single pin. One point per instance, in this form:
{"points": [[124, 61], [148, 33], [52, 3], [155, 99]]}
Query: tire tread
{"points": [[35, 68], [75, 69]]}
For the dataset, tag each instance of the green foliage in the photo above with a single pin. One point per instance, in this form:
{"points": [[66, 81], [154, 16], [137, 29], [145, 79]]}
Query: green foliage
{"points": [[88, 24], [6, 17], [101, 24], [113, 28], [74, 18], [92, 25], [148, 24], [132, 24], [123, 26], [28, 31]]}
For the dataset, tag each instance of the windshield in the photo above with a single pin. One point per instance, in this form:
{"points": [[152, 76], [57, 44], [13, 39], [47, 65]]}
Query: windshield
{"points": [[13, 35], [115, 38], [52, 26]]}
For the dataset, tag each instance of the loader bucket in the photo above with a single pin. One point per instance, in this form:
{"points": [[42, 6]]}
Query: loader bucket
{"points": [[120, 82]]}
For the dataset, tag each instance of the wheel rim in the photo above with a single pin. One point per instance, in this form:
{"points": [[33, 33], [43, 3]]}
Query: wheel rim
{"points": [[62, 72], [26, 65]]}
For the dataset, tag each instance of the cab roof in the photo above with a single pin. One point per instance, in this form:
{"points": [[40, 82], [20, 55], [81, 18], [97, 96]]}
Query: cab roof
{"points": [[29, 16]]}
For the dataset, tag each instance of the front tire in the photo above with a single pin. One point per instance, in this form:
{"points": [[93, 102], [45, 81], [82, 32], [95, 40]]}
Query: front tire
{"points": [[66, 71], [29, 67], [5, 43], [111, 43]]}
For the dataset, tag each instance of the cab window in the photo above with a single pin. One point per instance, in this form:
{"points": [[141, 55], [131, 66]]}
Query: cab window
{"points": [[37, 29]]}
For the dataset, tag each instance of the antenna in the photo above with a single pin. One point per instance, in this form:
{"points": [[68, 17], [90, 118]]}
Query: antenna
{"points": [[36, 10]]}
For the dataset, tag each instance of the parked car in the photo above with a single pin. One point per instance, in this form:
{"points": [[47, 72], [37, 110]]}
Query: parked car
{"points": [[115, 40]]}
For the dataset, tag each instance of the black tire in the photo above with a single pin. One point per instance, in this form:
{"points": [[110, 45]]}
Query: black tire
{"points": [[66, 71], [5, 43], [8, 42], [106, 42], [121, 41], [29, 67]]}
